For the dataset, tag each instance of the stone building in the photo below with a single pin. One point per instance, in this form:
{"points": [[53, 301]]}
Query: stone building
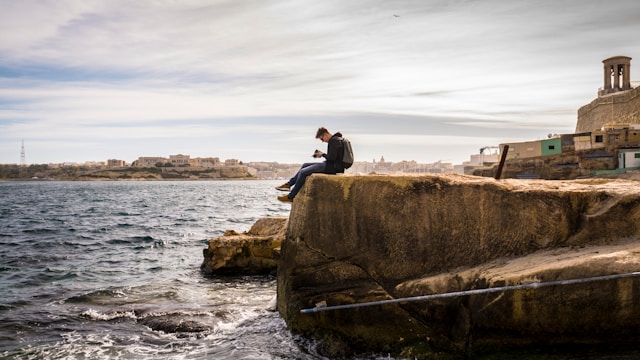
{"points": [[115, 163], [618, 101], [528, 149], [179, 160], [208, 162], [149, 161]]}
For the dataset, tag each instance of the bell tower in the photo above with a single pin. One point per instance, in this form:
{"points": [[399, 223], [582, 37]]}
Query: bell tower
{"points": [[617, 75], [618, 102]]}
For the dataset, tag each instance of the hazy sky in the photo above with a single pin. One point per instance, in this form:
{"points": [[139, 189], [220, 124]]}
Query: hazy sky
{"points": [[423, 80]]}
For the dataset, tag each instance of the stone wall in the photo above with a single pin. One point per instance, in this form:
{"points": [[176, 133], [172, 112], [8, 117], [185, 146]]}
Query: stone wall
{"points": [[355, 239], [618, 108]]}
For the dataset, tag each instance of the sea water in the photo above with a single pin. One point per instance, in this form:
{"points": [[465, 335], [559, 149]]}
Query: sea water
{"points": [[104, 270]]}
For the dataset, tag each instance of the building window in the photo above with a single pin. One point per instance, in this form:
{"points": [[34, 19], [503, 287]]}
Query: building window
{"points": [[599, 138], [552, 147], [636, 155]]}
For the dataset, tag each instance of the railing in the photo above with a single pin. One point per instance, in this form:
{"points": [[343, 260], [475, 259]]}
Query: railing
{"points": [[634, 84], [602, 91], [323, 306]]}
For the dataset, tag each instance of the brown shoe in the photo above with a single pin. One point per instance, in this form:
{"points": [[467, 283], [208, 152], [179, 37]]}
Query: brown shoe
{"points": [[284, 187], [285, 198]]}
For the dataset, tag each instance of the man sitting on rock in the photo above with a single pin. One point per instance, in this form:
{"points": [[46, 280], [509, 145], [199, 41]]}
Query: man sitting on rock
{"points": [[331, 165]]}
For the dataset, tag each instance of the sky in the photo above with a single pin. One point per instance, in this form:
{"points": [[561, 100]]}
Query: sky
{"points": [[423, 80]]}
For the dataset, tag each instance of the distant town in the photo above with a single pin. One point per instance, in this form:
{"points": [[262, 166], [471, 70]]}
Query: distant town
{"points": [[182, 166]]}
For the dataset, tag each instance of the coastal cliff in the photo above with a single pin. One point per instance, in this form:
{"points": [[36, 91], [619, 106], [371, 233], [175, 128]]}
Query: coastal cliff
{"points": [[357, 239]]}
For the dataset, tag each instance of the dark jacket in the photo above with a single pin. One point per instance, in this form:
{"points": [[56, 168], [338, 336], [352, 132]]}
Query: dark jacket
{"points": [[334, 154]]}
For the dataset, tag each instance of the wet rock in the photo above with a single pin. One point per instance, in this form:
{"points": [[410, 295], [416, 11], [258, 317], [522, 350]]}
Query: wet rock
{"points": [[174, 324], [355, 239], [253, 252]]}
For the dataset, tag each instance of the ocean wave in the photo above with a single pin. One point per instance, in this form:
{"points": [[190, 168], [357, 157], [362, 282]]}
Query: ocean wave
{"points": [[125, 213], [132, 240], [168, 322], [95, 315], [80, 345], [40, 231], [98, 297], [59, 274], [8, 269], [145, 238], [6, 307]]}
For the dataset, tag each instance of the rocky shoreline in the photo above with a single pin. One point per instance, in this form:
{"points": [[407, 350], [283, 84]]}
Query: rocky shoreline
{"points": [[393, 237], [78, 173], [253, 252]]}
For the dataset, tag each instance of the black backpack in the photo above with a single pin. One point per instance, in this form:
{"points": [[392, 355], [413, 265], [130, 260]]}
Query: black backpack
{"points": [[347, 155]]}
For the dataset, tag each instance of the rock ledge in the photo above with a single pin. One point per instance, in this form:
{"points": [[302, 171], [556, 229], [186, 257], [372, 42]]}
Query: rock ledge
{"points": [[250, 253]]}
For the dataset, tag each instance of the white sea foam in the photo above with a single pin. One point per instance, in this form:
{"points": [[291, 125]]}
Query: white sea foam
{"points": [[273, 304], [95, 315]]}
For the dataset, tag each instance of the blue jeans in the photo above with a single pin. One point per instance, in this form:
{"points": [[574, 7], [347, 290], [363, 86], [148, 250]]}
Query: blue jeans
{"points": [[299, 178]]}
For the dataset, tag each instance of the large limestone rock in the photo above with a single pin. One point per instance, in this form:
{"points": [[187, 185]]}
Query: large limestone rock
{"points": [[253, 252], [354, 239]]}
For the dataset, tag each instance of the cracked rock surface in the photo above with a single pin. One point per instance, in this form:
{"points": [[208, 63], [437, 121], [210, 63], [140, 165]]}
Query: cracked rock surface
{"points": [[356, 239]]}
